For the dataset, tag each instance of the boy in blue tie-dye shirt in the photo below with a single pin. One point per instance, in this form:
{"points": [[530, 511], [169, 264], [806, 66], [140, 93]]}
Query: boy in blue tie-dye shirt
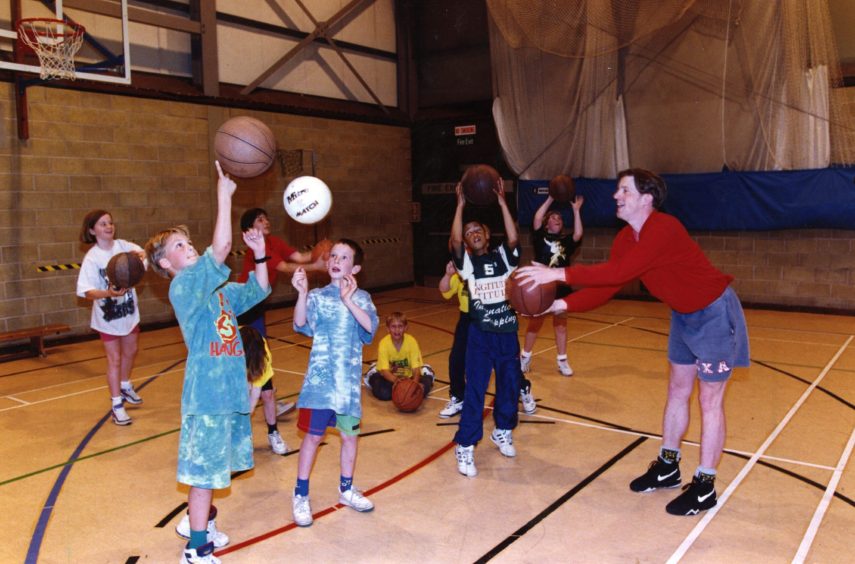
{"points": [[216, 437], [341, 319]]}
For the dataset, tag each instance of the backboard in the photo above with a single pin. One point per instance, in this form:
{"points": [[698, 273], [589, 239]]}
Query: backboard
{"points": [[105, 55]]}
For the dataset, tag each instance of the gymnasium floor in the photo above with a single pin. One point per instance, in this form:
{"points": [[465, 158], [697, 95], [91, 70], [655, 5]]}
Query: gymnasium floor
{"points": [[76, 488]]}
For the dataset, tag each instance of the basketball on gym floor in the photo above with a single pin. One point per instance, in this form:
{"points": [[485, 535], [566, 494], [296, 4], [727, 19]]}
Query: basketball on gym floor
{"points": [[407, 394], [245, 147], [125, 270], [530, 300], [479, 184], [562, 189], [307, 199]]}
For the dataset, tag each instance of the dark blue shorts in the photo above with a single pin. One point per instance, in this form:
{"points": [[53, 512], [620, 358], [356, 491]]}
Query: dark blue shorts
{"points": [[714, 338]]}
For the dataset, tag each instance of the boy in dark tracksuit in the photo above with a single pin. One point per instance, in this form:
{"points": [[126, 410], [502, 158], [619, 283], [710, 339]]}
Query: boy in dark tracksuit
{"points": [[492, 342]]}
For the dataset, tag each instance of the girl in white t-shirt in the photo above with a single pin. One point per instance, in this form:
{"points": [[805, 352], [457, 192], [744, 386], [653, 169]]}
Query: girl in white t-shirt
{"points": [[115, 313]]}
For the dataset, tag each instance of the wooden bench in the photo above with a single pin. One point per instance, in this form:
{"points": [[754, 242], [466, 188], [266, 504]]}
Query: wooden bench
{"points": [[36, 335]]}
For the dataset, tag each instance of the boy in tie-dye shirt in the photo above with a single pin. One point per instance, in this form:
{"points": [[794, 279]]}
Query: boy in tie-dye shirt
{"points": [[216, 437], [341, 319]]}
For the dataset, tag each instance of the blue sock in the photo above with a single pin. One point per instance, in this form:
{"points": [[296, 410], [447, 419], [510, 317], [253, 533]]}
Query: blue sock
{"points": [[197, 538], [345, 484], [302, 488]]}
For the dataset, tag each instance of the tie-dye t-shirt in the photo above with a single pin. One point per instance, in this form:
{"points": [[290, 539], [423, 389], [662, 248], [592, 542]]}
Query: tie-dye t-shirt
{"points": [[206, 307], [334, 377]]}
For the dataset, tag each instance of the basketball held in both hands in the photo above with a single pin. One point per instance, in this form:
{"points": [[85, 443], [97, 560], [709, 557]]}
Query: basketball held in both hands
{"points": [[307, 199], [562, 189], [407, 394], [125, 270], [530, 300], [479, 184], [245, 147]]}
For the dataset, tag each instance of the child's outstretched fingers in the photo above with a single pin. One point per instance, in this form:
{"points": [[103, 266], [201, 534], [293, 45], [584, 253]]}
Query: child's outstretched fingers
{"points": [[299, 281]]}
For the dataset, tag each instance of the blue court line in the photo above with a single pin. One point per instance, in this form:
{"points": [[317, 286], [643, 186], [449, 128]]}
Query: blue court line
{"points": [[47, 509]]}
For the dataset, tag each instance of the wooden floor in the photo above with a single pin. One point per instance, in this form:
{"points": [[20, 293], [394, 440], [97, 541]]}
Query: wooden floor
{"points": [[76, 488]]}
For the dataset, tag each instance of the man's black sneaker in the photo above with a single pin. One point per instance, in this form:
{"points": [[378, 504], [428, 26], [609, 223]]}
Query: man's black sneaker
{"points": [[659, 474], [696, 497]]}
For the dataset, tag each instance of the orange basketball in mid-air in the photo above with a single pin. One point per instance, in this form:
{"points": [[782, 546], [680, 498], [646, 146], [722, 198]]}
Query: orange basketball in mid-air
{"points": [[530, 300], [562, 189], [245, 147], [407, 394]]}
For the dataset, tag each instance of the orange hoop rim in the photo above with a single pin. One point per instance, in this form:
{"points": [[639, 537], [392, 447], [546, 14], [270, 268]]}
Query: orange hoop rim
{"points": [[70, 29]]}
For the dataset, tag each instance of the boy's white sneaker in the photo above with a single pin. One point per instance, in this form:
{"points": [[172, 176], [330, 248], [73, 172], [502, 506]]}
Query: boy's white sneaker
{"points": [[219, 538], [354, 498], [277, 444], [130, 395], [503, 439], [529, 405], [525, 363], [301, 510], [284, 407], [564, 367], [201, 555], [453, 407], [466, 460]]}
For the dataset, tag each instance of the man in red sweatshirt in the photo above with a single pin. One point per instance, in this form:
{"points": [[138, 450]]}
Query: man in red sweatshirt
{"points": [[708, 337]]}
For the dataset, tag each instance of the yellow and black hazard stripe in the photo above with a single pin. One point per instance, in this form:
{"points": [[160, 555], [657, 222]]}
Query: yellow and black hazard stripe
{"points": [[381, 241], [58, 267]]}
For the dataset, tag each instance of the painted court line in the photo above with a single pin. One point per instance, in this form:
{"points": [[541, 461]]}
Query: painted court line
{"points": [[813, 528], [711, 513]]}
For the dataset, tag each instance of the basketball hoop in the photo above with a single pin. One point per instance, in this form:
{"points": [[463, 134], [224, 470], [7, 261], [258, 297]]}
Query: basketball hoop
{"points": [[55, 42]]}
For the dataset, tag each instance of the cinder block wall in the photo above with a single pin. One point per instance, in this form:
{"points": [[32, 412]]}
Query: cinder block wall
{"points": [[809, 268], [150, 164]]}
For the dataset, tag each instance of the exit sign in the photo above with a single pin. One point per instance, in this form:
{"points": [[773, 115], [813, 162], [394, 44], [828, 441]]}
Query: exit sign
{"points": [[461, 130]]}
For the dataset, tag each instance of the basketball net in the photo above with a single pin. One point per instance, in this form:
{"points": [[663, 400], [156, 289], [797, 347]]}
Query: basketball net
{"points": [[55, 42]]}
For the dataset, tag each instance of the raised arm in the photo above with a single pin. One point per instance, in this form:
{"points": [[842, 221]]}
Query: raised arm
{"points": [[254, 239], [221, 244], [457, 223], [537, 222], [511, 234], [578, 229]]}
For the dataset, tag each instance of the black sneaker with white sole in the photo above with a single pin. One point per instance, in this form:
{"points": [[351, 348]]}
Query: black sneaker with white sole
{"points": [[696, 497], [660, 474]]}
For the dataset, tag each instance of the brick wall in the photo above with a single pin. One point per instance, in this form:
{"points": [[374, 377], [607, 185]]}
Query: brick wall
{"points": [[149, 163], [809, 268]]}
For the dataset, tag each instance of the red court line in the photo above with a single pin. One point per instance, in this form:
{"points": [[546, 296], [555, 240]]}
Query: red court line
{"points": [[338, 506]]}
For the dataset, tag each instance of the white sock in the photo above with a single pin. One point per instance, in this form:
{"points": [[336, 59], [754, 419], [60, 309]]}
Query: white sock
{"points": [[562, 357], [525, 354], [126, 385], [117, 401]]}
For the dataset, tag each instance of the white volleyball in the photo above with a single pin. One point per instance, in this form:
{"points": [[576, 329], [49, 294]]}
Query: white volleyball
{"points": [[307, 199]]}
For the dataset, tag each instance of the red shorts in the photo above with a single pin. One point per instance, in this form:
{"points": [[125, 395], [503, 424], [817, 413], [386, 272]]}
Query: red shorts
{"points": [[107, 338]]}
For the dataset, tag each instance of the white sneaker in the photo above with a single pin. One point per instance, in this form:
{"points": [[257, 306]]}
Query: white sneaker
{"points": [[276, 443], [219, 538], [202, 555], [525, 363], [564, 367], [284, 407], [503, 439], [354, 498], [466, 460], [130, 395], [453, 407], [301, 510], [120, 416], [529, 405]]}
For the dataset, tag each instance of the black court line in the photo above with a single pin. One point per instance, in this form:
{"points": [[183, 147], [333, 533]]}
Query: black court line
{"points": [[804, 381], [132, 560], [516, 535]]}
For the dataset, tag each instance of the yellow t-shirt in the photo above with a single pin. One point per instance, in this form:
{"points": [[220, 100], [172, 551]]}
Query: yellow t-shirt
{"points": [[399, 362], [458, 287], [267, 372]]}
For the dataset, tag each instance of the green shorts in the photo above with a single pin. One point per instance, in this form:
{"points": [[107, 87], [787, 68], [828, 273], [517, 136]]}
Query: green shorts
{"points": [[316, 421], [211, 447]]}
